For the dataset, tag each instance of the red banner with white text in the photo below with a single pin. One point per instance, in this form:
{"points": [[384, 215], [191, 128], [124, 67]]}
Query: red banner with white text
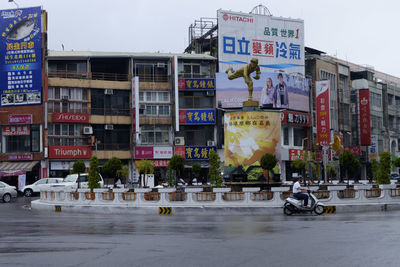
{"points": [[322, 106]]}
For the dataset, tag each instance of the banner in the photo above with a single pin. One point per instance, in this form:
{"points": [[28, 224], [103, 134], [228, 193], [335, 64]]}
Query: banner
{"points": [[373, 149], [70, 117], [16, 130], [322, 107], [20, 119], [365, 117], [249, 135], [277, 43], [20, 57], [272, 90]]}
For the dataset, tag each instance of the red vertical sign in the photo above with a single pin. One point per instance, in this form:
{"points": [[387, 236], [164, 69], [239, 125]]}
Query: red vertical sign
{"points": [[322, 106], [365, 117]]}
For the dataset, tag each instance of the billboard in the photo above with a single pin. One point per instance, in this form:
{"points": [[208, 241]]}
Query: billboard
{"points": [[277, 43], [365, 119], [20, 57], [322, 106], [272, 90], [249, 135]]}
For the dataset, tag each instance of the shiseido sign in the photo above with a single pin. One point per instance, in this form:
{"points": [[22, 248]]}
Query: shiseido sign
{"points": [[70, 152], [70, 117]]}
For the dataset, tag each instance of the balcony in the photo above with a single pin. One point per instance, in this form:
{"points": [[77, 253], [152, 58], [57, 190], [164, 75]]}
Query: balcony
{"points": [[91, 76], [110, 111]]}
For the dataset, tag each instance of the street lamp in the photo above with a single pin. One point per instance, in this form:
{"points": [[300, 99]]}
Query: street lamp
{"points": [[13, 2]]}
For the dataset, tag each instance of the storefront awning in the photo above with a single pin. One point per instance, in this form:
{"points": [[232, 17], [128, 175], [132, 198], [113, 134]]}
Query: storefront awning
{"points": [[14, 168]]}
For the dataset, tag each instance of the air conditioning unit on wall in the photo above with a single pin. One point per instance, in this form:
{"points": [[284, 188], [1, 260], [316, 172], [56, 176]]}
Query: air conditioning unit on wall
{"points": [[109, 127], [108, 91], [179, 141], [87, 130], [210, 93], [210, 143]]}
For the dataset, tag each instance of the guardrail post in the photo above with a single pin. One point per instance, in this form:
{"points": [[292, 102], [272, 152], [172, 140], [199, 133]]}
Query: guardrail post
{"points": [[277, 194], [163, 195], [140, 194], [333, 190], [118, 194], [82, 197], [218, 194], [386, 191], [248, 191], [191, 192]]}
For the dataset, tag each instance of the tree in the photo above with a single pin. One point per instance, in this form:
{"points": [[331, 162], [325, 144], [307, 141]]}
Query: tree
{"points": [[300, 164], [177, 163], [123, 173], [268, 162], [384, 168], [170, 176], [349, 162], [78, 167], [396, 163], [196, 168], [331, 170], [94, 174], [214, 171], [145, 167], [374, 169], [111, 167]]}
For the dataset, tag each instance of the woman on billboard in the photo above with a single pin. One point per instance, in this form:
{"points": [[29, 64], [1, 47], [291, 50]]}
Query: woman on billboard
{"points": [[268, 95]]}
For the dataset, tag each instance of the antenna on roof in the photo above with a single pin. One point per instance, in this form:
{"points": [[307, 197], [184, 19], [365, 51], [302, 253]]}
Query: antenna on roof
{"points": [[261, 10]]}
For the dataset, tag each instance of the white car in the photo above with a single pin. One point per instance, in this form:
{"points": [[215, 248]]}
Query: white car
{"points": [[71, 181], [7, 192], [39, 185]]}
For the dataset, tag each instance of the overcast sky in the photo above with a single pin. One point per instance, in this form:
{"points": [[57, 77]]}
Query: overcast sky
{"points": [[364, 32]]}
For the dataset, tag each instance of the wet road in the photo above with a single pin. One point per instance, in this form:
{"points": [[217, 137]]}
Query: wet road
{"points": [[43, 238]]}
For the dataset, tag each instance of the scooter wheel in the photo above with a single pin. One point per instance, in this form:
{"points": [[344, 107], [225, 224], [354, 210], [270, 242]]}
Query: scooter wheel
{"points": [[319, 209], [287, 211]]}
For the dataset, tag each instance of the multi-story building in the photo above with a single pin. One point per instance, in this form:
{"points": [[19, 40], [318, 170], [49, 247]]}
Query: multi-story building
{"points": [[95, 107]]}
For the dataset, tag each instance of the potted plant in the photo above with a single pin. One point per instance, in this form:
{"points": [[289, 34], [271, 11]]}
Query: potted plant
{"points": [[78, 167], [93, 178]]}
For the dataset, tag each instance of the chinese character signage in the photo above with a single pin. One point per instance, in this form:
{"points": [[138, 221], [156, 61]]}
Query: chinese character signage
{"points": [[20, 157], [150, 152], [356, 150], [323, 120], [70, 117], [196, 84], [249, 135], [298, 154], [365, 120], [272, 90], [179, 150], [197, 116], [198, 152], [70, 152], [20, 57], [298, 118], [277, 43], [16, 130], [20, 119]]}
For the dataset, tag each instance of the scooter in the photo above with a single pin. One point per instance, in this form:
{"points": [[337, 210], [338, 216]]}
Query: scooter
{"points": [[293, 205]]}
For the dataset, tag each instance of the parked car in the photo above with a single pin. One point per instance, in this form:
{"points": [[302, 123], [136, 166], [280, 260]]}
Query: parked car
{"points": [[7, 192], [71, 181], [395, 176], [39, 185]]}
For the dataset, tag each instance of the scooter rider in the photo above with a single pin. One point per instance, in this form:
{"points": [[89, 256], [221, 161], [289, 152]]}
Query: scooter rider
{"points": [[297, 191]]}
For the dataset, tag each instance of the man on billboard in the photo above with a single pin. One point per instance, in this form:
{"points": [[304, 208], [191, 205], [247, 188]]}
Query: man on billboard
{"points": [[245, 73], [282, 92]]}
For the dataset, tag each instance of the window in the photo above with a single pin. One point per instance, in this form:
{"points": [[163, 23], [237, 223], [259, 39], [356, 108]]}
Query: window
{"points": [[195, 99], [152, 72], [298, 135], [66, 134], [286, 136], [155, 134], [376, 122], [197, 136], [116, 139], [391, 99], [22, 143], [325, 75], [154, 96], [191, 70], [154, 110], [376, 100], [116, 104]]}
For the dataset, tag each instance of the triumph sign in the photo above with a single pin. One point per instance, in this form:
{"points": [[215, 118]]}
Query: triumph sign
{"points": [[70, 152]]}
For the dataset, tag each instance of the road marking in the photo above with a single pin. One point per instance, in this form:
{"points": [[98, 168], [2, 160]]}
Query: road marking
{"points": [[164, 210]]}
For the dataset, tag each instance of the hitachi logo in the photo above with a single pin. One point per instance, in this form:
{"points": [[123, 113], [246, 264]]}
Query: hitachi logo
{"points": [[237, 18]]}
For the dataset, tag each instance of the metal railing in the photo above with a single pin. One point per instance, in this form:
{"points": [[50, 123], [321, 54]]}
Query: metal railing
{"points": [[67, 74], [110, 111], [347, 193], [373, 193], [262, 196], [129, 196], [205, 196], [109, 196], [233, 196]]}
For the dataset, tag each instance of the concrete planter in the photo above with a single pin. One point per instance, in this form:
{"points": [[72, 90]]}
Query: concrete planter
{"points": [[387, 186], [337, 188], [120, 190], [221, 190], [362, 187], [280, 189], [142, 190], [83, 190], [166, 190], [250, 189], [193, 190], [100, 190]]}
